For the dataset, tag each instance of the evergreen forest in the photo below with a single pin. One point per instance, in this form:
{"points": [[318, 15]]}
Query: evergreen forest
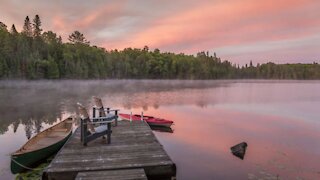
{"points": [[37, 54]]}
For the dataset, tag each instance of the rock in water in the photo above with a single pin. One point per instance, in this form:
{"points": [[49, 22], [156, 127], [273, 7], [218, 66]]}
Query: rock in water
{"points": [[239, 150]]}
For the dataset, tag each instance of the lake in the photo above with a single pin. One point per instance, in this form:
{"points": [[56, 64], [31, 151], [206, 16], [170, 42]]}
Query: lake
{"points": [[279, 120]]}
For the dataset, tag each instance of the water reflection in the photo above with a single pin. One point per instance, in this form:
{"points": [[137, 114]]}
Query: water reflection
{"points": [[287, 148], [15, 125], [162, 129], [279, 119], [28, 128], [32, 103]]}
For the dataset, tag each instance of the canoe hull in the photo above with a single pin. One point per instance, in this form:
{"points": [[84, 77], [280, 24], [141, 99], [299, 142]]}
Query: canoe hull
{"points": [[29, 159], [160, 125], [162, 129], [149, 119]]}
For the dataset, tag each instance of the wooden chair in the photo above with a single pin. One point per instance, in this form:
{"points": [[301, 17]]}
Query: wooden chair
{"points": [[103, 112], [94, 128]]}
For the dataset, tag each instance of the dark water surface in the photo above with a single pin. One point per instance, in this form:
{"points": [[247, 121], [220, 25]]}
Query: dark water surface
{"points": [[280, 121]]}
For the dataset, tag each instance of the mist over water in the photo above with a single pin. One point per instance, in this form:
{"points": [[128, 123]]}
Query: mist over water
{"points": [[280, 121]]}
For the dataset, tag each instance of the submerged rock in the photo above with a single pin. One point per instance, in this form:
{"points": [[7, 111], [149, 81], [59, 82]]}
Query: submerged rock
{"points": [[239, 150]]}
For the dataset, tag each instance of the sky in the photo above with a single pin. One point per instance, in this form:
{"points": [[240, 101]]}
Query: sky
{"points": [[281, 31]]}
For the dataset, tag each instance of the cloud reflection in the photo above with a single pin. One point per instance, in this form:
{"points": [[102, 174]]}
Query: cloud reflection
{"points": [[206, 121], [278, 145]]}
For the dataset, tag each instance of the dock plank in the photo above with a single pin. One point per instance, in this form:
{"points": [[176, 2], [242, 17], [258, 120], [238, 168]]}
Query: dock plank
{"points": [[133, 146], [128, 174]]}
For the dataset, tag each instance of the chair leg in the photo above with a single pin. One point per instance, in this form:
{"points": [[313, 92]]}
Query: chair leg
{"points": [[84, 141], [109, 133], [109, 138], [81, 130], [116, 120]]}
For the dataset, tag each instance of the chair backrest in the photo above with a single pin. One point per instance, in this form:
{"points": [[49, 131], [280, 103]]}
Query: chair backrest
{"points": [[85, 116], [98, 103]]}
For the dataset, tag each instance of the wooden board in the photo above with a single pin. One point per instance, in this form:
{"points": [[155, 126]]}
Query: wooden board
{"points": [[133, 145], [128, 174]]}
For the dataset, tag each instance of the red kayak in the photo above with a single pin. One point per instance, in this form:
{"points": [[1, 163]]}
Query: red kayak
{"points": [[152, 121]]}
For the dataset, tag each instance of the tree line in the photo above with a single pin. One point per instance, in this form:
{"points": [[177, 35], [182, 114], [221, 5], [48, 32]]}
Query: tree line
{"points": [[34, 54]]}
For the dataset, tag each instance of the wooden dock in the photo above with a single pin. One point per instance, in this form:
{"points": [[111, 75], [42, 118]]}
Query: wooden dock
{"points": [[128, 174], [133, 146]]}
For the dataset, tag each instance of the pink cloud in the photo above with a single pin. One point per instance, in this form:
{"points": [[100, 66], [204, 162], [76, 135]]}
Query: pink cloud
{"points": [[59, 23], [101, 16], [185, 26], [212, 24]]}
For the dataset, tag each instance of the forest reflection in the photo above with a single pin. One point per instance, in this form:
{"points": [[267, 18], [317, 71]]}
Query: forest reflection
{"points": [[32, 103]]}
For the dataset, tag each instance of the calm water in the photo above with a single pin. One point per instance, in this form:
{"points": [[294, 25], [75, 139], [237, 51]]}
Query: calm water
{"points": [[280, 121]]}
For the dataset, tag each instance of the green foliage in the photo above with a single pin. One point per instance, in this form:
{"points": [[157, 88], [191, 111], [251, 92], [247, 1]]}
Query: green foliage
{"points": [[36, 55], [32, 175], [3, 27], [36, 26], [53, 69], [78, 38], [27, 29], [13, 30], [3, 68], [36, 173]]}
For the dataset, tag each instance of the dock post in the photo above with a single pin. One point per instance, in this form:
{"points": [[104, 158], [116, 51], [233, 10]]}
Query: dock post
{"points": [[141, 115], [116, 121], [94, 112], [109, 133], [81, 130]]}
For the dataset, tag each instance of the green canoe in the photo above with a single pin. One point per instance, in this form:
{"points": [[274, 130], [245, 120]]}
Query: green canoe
{"points": [[41, 146]]}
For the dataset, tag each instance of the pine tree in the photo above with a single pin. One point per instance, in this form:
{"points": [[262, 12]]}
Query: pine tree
{"points": [[13, 30], [27, 29], [78, 38], [146, 48], [36, 26], [3, 26]]}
